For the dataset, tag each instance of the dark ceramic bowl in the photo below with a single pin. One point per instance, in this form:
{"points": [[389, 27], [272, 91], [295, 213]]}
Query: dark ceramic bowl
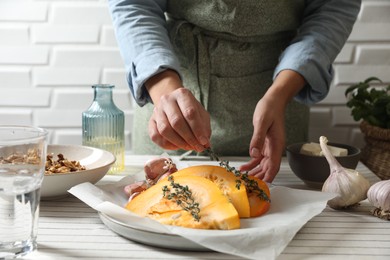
{"points": [[314, 170]]}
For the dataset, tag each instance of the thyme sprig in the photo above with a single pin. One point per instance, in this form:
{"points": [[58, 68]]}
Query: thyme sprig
{"points": [[182, 195], [251, 185], [213, 156]]}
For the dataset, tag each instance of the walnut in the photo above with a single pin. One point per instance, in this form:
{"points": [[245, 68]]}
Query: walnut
{"points": [[32, 157], [61, 165]]}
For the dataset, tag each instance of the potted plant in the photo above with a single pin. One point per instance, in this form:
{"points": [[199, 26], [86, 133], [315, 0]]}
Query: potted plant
{"points": [[370, 103]]}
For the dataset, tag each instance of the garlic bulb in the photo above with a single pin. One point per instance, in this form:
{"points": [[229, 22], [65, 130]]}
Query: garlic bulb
{"points": [[349, 184], [379, 196]]}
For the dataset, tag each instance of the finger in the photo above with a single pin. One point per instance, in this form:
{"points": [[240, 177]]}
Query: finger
{"points": [[274, 160], [270, 171], [258, 139], [157, 138], [198, 120], [270, 165], [163, 119], [260, 171], [250, 165], [178, 131], [254, 168]]}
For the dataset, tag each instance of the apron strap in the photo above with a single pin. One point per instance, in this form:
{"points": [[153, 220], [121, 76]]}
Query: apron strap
{"points": [[191, 48]]}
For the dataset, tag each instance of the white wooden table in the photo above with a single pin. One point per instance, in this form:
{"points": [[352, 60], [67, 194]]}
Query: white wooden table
{"points": [[69, 229]]}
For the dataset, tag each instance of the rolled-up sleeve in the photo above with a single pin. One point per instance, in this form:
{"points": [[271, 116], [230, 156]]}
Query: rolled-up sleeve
{"points": [[143, 40], [325, 28]]}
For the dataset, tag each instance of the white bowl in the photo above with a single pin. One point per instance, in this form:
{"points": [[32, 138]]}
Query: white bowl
{"points": [[96, 161]]}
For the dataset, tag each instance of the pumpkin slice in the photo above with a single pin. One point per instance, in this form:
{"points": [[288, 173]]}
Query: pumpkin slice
{"points": [[215, 209], [226, 182], [258, 206]]}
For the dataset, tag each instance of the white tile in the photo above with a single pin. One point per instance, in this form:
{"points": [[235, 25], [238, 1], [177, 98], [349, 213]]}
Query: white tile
{"points": [[320, 116], [341, 116], [62, 118], [373, 54], [82, 98], [67, 136], [25, 97], [80, 13], [123, 99], [370, 32], [73, 136], [90, 57], [67, 118], [346, 54], [77, 98], [12, 116], [74, 76], [22, 55], [335, 96], [65, 33], [352, 74], [23, 10], [115, 77], [14, 78], [334, 134], [375, 11], [14, 34], [108, 36]]}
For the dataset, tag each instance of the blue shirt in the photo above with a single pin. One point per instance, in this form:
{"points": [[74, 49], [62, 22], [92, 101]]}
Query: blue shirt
{"points": [[145, 46]]}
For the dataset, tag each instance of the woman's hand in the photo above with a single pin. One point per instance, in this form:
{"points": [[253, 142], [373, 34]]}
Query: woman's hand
{"points": [[268, 140], [178, 121]]}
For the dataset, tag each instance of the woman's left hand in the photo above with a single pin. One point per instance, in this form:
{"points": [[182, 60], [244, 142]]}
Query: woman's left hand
{"points": [[268, 140]]}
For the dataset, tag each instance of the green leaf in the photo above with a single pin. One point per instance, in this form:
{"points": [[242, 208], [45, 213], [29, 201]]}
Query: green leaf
{"points": [[370, 103]]}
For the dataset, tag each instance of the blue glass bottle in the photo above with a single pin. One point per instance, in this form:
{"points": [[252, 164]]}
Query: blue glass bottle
{"points": [[103, 125]]}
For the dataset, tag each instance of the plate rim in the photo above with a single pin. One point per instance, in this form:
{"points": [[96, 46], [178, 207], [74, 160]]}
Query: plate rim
{"points": [[159, 240]]}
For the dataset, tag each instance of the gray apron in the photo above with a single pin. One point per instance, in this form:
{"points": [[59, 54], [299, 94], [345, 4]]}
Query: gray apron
{"points": [[228, 50]]}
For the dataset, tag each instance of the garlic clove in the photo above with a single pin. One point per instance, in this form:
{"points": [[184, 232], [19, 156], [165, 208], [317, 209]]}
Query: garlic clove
{"points": [[155, 168], [138, 186], [350, 186], [379, 196]]}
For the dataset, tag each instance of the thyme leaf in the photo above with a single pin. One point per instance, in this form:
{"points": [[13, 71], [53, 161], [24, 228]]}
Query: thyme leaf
{"points": [[251, 185], [182, 195]]}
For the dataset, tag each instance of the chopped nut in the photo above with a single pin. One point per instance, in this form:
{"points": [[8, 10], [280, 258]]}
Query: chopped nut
{"points": [[32, 157], [61, 165]]}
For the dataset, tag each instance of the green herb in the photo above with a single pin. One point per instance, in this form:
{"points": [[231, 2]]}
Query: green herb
{"points": [[370, 103], [213, 156], [182, 195], [251, 185]]}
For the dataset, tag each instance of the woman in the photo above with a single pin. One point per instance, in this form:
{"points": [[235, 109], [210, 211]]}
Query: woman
{"points": [[235, 76]]}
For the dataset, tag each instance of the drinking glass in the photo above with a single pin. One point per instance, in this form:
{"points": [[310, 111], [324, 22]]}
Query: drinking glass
{"points": [[22, 167]]}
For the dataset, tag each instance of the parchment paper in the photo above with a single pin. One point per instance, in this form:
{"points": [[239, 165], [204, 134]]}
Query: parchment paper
{"points": [[263, 237]]}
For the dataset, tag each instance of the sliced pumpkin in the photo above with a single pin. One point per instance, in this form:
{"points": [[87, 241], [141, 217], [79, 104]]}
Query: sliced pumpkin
{"points": [[226, 182], [258, 204], [215, 209]]}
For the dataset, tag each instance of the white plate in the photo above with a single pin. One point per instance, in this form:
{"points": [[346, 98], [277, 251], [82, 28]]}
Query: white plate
{"points": [[97, 162], [150, 238]]}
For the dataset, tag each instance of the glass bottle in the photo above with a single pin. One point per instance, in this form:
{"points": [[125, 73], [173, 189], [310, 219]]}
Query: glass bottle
{"points": [[103, 125]]}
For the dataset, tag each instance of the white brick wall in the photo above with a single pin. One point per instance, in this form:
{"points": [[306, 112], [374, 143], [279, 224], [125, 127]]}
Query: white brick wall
{"points": [[52, 51]]}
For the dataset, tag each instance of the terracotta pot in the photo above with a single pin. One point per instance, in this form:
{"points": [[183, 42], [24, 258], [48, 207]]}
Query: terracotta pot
{"points": [[376, 152]]}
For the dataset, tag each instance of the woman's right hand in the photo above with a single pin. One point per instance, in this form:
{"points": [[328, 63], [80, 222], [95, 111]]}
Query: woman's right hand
{"points": [[178, 121]]}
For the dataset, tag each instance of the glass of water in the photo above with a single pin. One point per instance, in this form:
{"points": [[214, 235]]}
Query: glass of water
{"points": [[22, 167]]}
